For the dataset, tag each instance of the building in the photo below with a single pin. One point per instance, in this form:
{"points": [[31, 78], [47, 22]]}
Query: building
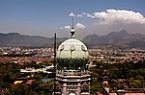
{"points": [[72, 75]]}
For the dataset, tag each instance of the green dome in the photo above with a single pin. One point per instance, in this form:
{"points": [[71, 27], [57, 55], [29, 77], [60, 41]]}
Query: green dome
{"points": [[72, 54]]}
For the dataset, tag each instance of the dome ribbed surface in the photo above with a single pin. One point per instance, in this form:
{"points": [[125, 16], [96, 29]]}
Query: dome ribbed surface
{"points": [[72, 54]]}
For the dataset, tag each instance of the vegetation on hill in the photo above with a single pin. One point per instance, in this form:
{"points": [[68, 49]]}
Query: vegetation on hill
{"points": [[127, 75], [132, 74], [10, 73]]}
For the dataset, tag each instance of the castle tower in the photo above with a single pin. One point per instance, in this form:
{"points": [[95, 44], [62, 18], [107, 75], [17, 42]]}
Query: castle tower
{"points": [[72, 75]]}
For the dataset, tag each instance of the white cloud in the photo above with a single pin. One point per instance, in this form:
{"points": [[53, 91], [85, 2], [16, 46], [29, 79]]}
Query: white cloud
{"points": [[77, 26], [72, 14], [119, 16], [67, 27], [111, 16], [88, 15], [75, 15], [80, 26]]}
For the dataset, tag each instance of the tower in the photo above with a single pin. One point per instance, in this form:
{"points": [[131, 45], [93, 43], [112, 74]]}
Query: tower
{"points": [[72, 75]]}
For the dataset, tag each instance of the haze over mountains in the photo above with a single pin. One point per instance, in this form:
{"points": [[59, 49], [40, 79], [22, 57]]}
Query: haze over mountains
{"points": [[16, 39], [120, 39]]}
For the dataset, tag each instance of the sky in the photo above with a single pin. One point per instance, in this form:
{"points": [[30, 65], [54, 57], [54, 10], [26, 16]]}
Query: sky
{"points": [[46, 17]]}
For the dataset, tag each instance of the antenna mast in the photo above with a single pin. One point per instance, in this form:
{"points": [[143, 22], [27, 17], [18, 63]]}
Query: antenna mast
{"points": [[72, 29], [54, 63], [72, 23]]}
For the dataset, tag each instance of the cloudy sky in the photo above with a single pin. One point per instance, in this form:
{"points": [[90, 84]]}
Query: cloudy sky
{"points": [[45, 17]]}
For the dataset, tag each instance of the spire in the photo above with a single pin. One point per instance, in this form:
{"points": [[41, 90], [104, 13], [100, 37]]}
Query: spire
{"points": [[72, 29]]}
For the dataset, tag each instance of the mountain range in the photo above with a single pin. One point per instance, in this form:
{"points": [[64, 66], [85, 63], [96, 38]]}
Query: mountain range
{"points": [[16, 39], [120, 39]]}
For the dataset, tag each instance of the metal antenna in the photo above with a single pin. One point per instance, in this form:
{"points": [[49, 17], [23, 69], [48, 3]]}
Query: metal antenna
{"points": [[54, 63], [72, 29], [72, 23]]}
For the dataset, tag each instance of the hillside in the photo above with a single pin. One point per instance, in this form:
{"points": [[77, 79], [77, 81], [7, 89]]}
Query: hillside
{"points": [[121, 39], [16, 39]]}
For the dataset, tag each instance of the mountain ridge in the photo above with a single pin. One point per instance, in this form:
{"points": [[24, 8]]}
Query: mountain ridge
{"points": [[16, 39], [121, 39]]}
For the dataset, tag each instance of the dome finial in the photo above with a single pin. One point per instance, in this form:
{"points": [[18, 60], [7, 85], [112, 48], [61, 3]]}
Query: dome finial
{"points": [[72, 29]]}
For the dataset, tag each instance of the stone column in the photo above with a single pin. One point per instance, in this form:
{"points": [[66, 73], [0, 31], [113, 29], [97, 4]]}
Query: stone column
{"points": [[89, 85], [64, 89], [79, 89]]}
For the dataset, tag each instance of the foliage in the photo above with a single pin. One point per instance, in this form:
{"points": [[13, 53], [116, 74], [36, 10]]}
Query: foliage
{"points": [[10, 72], [132, 74]]}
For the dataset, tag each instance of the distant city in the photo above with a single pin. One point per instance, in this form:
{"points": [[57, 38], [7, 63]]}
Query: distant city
{"points": [[100, 55]]}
